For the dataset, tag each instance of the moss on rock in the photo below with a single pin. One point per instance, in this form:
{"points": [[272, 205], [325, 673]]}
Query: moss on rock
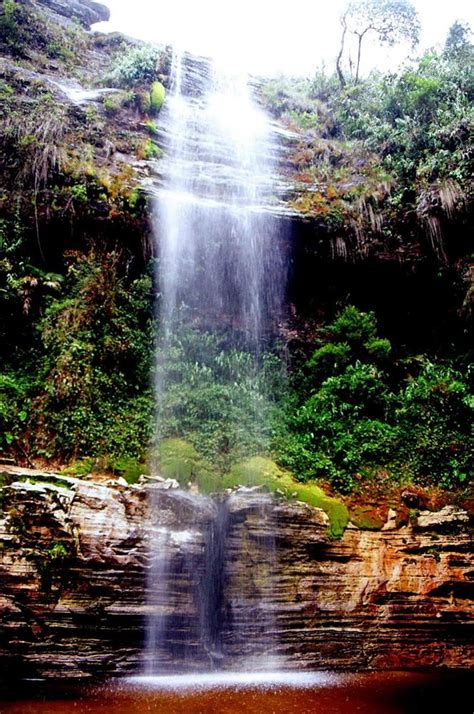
{"points": [[157, 97], [261, 471], [179, 460]]}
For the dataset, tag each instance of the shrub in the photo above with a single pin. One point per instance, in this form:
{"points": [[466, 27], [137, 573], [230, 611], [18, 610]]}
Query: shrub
{"points": [[137, 67], [354, 417]]}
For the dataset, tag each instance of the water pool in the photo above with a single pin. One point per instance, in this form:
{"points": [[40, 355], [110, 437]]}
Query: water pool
{"points": [[254, 693]]}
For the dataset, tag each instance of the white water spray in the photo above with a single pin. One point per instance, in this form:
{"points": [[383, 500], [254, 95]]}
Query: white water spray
{"points": [[220, 267]]}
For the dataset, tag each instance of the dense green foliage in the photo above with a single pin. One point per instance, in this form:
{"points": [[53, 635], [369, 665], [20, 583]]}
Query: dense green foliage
{"points": [[85, 389], [389, 158], [216, 396], [355, 411], [381, 166]]}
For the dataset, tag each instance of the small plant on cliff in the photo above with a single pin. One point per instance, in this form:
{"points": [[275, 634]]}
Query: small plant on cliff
{"points": [[137, 67], [157, 97]]}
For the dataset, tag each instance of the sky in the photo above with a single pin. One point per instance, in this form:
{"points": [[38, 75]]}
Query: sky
{"points": [[271, 36]]}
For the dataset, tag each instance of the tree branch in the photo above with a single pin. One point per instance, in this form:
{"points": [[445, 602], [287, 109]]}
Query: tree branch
{"points": [[342, 80]]}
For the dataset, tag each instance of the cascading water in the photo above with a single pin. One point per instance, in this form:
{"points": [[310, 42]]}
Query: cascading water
{"points": [[217, 247], [220, 268]]}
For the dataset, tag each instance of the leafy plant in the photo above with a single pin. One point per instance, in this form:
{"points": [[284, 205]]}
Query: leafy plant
{"points": [[216, 397], [353, 416], [137, 67]]}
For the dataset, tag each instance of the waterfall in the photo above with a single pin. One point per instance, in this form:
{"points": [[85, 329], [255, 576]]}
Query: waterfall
{"points": [[217, 250], [220, 267]]}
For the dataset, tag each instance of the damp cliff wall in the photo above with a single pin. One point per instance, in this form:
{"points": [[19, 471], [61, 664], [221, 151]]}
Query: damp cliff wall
{"points": [[73, 570]]}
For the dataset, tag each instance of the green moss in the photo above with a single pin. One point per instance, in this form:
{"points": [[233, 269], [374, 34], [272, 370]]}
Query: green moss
{"points": [[149, 150], [50, 562], [151, 126], [261, 471], [57, 552], [335, 510], [179, 460], [157, 97], [256, 471], [128, 468], [6, 90], [125, 466], [208, 480], [111, 104], [81, 467]]}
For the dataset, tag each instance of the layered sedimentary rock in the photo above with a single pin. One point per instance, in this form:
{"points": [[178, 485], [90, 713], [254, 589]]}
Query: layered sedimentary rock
{"points": [[76, 557]]}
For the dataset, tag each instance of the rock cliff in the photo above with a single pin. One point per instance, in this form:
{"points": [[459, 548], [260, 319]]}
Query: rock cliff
{"points": [[86, 12], [75, 556]]}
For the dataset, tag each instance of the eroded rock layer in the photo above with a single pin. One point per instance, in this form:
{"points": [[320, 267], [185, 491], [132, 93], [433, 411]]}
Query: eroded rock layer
{"points": [[75, 557]]}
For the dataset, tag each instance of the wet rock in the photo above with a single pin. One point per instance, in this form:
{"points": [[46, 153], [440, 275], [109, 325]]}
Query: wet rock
{"points": [[413, 499], [164, 483], [385, 599], [447, 516], [87, 12]]}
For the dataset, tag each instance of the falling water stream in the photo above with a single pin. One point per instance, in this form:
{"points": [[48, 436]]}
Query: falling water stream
{"points": [[220, 266], [219, 255]]}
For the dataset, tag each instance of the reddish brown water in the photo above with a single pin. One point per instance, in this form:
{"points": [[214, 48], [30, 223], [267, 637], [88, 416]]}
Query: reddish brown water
{"points": [[375, 693]]}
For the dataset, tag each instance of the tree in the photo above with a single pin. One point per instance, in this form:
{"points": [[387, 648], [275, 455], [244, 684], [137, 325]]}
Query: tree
{"points": [[458, 44], [340, 73], [391, 21]]}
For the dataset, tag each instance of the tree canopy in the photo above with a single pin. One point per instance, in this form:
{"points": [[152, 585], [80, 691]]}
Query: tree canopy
{"points": [[390, 21]]}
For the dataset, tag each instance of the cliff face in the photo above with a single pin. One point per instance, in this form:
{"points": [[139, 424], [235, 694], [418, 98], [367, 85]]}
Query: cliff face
{"points": [[86, 12], [75, 557]]}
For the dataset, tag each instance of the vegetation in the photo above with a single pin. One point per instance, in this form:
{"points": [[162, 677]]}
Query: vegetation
{"points": [[259, 471], [216, 396], [157, 97], [385, 164], [93, 340], [355, 412], [137, 67], [391, 21], [24, 33], [381, 169]]}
